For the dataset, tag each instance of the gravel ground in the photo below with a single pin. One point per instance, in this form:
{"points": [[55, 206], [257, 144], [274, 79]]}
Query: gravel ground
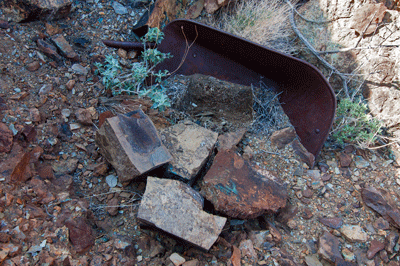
{"points": [[59, 209]]}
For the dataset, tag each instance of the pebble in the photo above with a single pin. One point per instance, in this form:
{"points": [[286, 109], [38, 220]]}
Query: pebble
{"points": [[33, 66], [177, 259], [119, 9], [111, 180], [348, 255], [360, 162], [45, 89], [79, 69], [332, 222]]}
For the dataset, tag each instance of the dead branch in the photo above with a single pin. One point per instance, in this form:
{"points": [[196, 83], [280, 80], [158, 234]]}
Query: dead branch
{"points": [[357, 48], [314, 51]]}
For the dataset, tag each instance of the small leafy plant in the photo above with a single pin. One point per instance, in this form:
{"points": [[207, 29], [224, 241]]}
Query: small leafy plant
{"points": [[353, 124], [133, 81]]}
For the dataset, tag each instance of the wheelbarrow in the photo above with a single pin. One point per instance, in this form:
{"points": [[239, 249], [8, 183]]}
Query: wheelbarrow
{"points": [[305, 95]]}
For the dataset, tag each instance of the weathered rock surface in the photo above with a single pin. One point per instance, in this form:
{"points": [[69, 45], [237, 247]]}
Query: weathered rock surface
{"points": [[374, 248], [380, 201], [239, 191], [6, 138], [328, 247], [40, 9], [174, 207], [230, 140], [281, 138], [224, 100], [131, 144], [80, 233], [332, 222], [354, 233], [65, 47], [190, 146]]}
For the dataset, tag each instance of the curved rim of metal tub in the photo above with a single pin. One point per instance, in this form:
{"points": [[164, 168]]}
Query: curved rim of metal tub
{"points": [[305, 94]]}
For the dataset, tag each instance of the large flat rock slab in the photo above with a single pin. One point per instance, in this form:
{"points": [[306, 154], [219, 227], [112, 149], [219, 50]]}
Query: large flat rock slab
{"points": [[132, 145], [238, 190], [190, 146], [176, 208]]}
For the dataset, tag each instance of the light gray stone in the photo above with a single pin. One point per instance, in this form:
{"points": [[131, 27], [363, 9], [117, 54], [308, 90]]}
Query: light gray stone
{"points": [[190, 146], [354, 233], [176, 208]]}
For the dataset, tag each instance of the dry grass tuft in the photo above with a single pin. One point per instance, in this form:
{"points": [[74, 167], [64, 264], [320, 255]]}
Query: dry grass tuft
{"points": [[262, 21]]}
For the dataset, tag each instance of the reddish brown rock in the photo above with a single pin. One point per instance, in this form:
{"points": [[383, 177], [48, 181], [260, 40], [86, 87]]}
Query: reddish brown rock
{"points": [[236, 189], [112, 206], [80, 233], [229, 140], [70, 85], [4, 237], [390, 242], [374, 248], [49, 50], [305, 156], [328, 247], [6, 138], [34, 115], [381, 223], [274, 232], [84, 116], [345, 159], [35, 65], [381, 202], [132, 145], [283, 137], [332, 222], [65, 47], [308, 193], [3, 105]]}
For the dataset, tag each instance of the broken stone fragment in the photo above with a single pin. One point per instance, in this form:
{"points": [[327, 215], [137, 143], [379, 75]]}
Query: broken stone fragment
{"points": [[281, 138], [6, 138], [190, 146], [80, 233], [230, 140], [65, 47], [130, 143], [40, 9], [380, 201], [328, 247], [176, 208], [239, 191]]}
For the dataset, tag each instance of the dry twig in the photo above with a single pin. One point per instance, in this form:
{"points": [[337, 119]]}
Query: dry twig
{"points": [[314, 51]]}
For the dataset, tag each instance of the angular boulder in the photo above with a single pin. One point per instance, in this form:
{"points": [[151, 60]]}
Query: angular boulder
{"points": [[239, 191], [190, 146], [176, 208], [131, 144]]}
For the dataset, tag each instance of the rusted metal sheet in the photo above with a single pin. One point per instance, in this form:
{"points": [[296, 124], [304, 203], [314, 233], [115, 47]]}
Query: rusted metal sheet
{"points": [[305, 95]]}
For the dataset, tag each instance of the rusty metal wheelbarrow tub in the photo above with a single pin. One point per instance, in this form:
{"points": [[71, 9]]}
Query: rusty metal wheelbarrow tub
{"points": [[305, 94]]}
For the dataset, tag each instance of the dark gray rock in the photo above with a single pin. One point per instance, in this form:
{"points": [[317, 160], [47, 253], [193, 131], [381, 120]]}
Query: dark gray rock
{"points": [[131, 144]]}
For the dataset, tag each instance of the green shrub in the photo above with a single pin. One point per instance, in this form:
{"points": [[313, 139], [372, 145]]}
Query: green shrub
{"points": [[353, 124], [133, 81]]}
